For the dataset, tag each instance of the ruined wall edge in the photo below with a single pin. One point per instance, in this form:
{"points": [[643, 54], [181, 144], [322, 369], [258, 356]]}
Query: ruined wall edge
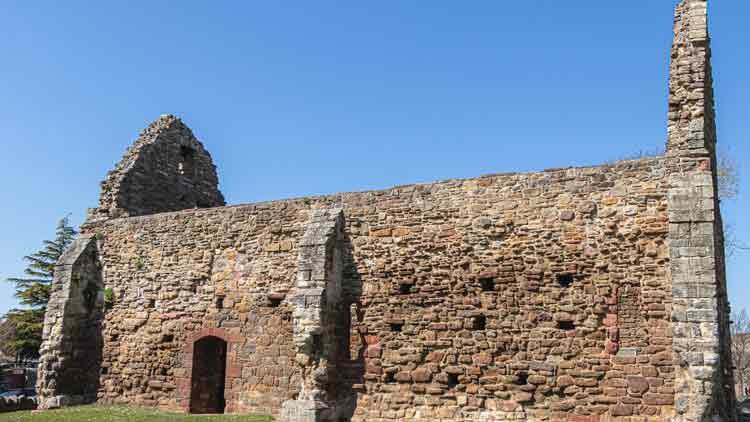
{"points": [[71, 340], [700, 314]]}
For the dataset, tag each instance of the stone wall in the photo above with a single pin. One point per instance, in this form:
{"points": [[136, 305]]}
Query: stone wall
{"points": [[166, 169], [486, 298]]}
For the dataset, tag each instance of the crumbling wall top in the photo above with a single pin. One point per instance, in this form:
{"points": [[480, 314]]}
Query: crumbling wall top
{"points": [[692, 132], [166, 169]]}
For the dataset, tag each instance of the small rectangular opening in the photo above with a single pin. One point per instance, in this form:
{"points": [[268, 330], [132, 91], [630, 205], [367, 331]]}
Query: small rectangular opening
{"points": [[565, 280], [452, 381], [488, 284], [275, 302], [404, 289], [479, 323], [522, 378], [566, 325], [397, 327], [186, 166], [167, 338], [219, 302]]}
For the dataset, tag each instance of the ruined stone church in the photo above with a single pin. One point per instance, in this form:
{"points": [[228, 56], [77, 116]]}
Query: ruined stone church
{"points": [[580, 294]]}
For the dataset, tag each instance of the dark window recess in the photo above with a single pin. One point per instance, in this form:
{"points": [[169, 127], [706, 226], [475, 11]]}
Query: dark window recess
{"points": [[566, 325], [274, 301], [105, 370], [452, 380], [389, 378], [397, 327], [114, 337], [186, 167], [479, 323], [167, 338], [220, 302], [488, 284], [404, 289], [522, 378], [152, 303], [565, 280]]}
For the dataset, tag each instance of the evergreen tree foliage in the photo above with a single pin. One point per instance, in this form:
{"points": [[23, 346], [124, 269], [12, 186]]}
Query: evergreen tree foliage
{"points": [[7, 334], [33, 291]]}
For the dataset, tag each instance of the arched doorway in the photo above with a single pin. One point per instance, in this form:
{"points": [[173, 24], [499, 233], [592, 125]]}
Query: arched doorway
{"points": [[207, 380]]}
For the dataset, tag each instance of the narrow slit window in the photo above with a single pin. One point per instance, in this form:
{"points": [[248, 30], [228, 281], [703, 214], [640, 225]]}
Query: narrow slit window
{"points": [[452, 381], [479, 323], [186, 166]]}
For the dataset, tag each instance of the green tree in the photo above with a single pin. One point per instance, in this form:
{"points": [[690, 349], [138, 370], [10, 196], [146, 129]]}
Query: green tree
{"points": [[33, 291], [7, 334]]}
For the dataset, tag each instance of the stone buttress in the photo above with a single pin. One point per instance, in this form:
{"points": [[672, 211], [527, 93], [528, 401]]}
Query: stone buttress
{"points": [[704, 380], [318, 305], [72, 339]]}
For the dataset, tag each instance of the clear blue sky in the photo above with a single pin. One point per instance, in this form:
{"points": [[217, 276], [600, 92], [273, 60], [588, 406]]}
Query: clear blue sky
{"points": [[300, 97]]}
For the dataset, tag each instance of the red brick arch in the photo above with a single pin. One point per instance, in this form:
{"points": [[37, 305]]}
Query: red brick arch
{"points": [[233, 371]]}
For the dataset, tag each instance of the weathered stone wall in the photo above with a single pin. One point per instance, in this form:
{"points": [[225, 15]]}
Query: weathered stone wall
{"points": [[494, 297], [166, 169], [178, 277]]}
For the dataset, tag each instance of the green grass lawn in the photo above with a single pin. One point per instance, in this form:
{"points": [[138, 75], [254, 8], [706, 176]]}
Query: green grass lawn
{"points": [[119, 414]]}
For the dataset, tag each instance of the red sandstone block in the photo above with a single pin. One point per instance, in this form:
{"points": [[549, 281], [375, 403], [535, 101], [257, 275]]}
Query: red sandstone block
{"points": [[234, 371], [658, 399], [580, 418]]}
